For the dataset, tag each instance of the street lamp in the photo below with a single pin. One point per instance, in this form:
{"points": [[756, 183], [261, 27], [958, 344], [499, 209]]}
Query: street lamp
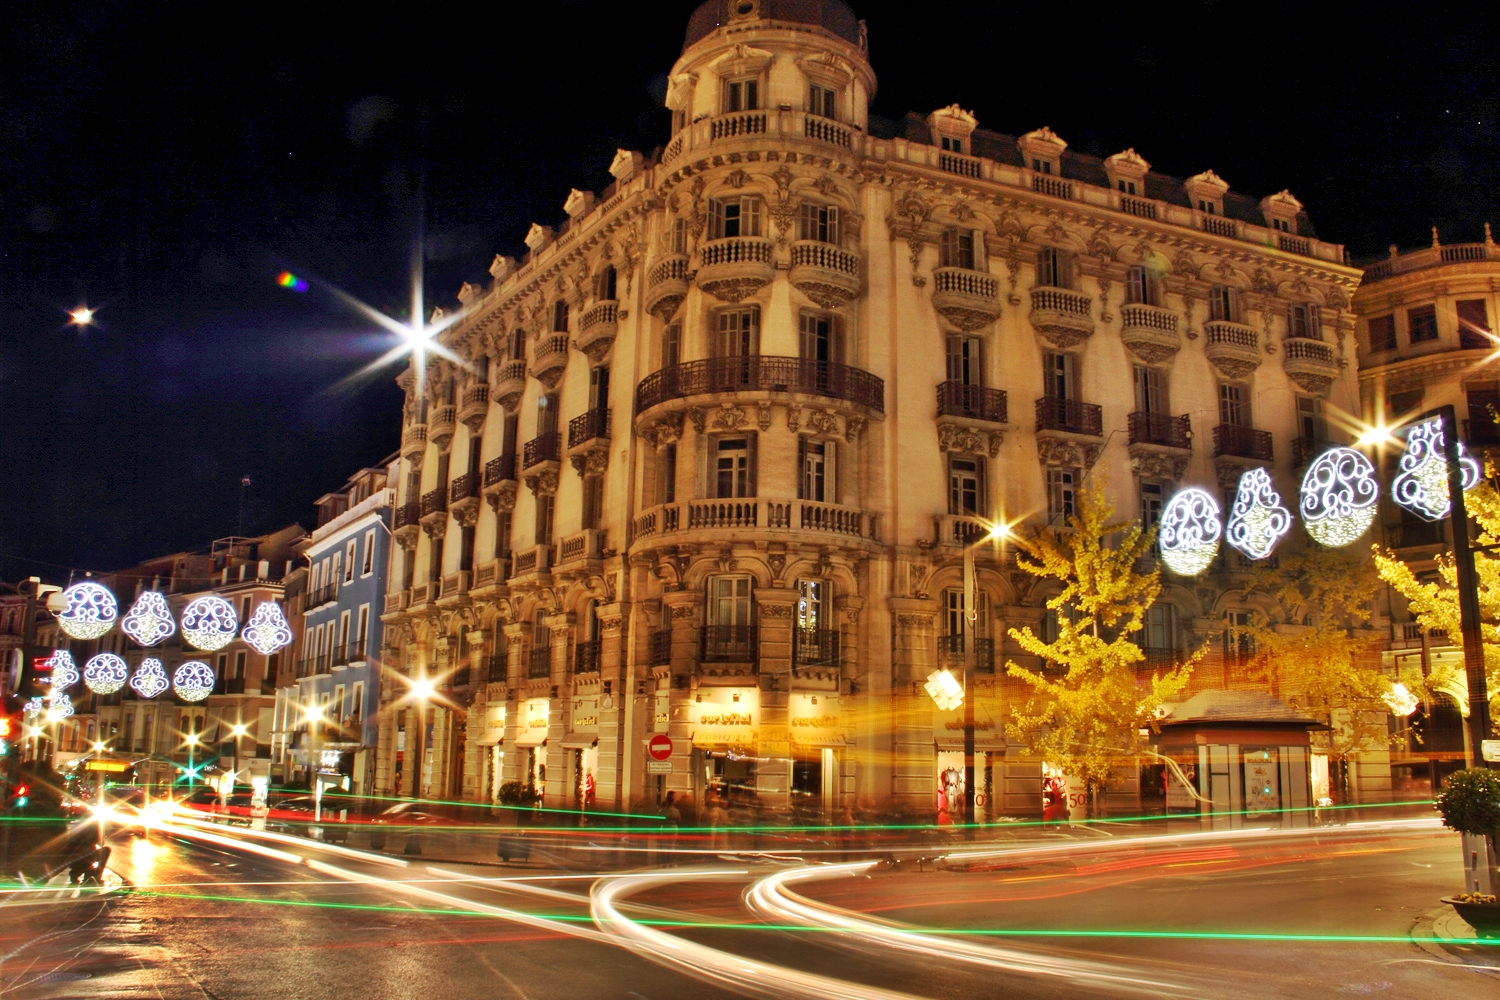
{"points": [[192, 745], [421, 692], [82, 316]]}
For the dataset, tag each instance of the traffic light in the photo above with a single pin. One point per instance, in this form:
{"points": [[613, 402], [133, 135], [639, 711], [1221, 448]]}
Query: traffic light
{"points": [[20, 794], [7, 729]]}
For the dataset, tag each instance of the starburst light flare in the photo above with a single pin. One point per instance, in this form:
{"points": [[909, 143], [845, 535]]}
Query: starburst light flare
{"points": [[149, 620], [105, 673], [150, 678], [268, 630], [1422, 486], [945, 689], [63, 670], [1258, 520], [89, 610], [1189, 532], [34, 706], [193, 680], [59, 706], [1339, 494], [209, 623]]}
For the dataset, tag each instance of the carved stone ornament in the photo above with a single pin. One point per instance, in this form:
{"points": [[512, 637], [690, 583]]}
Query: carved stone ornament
{"points": [[824, 422], [777, 562], [914, 621], [959, 438], [827, 185], [852, 427], [851, 616], [591, 463], [763, 416], [663, 431], [436, 528], [466, 516], [544, 483], [697, 416], [503, 498], [737, 178], [1062, 452], [1101, 247], [912, 208], [729, 417], [769, 611], [1156, 465], [682, 611], [793, 418]]}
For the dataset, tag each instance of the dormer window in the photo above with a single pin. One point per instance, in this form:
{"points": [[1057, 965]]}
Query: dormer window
{"points": [[741, 95], [1282, 225], [1126, 187], [822, 101], [819, 222], [952, 144], [731, 217], [1208, 207]]}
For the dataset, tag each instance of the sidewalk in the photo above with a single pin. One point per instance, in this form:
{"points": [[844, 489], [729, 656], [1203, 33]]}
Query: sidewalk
{"points": [[1443, 934]]}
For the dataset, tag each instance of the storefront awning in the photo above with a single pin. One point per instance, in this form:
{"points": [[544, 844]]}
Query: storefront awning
{"points": [[531, 737], [580, 741]]}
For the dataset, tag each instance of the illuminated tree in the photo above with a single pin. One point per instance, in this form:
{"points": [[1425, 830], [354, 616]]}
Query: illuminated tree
{"points": [[1089, 704], [1312, 648]]}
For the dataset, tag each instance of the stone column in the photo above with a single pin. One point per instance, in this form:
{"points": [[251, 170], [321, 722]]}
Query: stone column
{"points": [[914, 780], [514, 755], [614, 755], [773, 772], [559, 715], [859, 750], [684, 609]]}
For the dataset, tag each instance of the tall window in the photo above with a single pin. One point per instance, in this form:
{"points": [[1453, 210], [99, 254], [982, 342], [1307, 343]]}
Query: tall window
{"points": [[1310, 422], [666, 474], [239, 663], [503, 522], [733, 473], [1057, 375], [729, 600], [965, 360], [815, 463], [1421, 324], [814, 611], [1234, 405], [966, 486], [677, 237], [593, 502], [1158, 628], [957, 248], [1054, 268], [369, 565], [509, 433], [1142, 286], [818, 222], [351, 552], [953, 614], [434, 560], [1151, 503], [599, 388], [545, 503], [1302, 321], [1474, 325], [729, 217], [1484, 410], [741, 95], [1382, 333], [363, 634], [518, 345], [604, 287], [559, 316], [671, 345], [822, 101], [1062, 490], [546, 415], [1239, 642], [1150, 390], [466, 548], [819, 340]]}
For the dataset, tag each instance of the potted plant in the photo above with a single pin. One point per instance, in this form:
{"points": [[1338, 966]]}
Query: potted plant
{"points": [[1470, 804]]}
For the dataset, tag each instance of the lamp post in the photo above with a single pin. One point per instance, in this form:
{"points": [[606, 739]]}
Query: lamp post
{"points": [[967, 637], [192, 745], [421, 691]]}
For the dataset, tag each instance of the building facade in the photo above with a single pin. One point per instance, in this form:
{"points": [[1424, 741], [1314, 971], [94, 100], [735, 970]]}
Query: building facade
{"points": [[1427, 339], [338, 666], [720, 439]]}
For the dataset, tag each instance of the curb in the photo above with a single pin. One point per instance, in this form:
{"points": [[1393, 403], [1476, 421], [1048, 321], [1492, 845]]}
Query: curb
{"points": [[1446, 936]]}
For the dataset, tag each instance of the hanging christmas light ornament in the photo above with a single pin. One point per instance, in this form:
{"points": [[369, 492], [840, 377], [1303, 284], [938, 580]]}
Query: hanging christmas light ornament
{"points": [[149, 679], [209, 623], [1339, 493], [1258, 520], [34, 707], [267, 630], [1422, 486], [88, 611], [149, 620], [193, 681], [59, 707], [64, 671], [1189, 532], [105, 673]]}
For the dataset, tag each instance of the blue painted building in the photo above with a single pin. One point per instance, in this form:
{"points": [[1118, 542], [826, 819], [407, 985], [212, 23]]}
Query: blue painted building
{"points": [[328, 713]]}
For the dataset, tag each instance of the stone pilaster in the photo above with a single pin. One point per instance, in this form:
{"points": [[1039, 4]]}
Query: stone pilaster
{"points": [[914, 780], [614, 755], [684, 609], [559, 715], [776, 610], [515, 756]]}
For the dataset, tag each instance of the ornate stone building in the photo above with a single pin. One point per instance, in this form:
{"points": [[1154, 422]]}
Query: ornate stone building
{"points": [[720, 438], [1426, 338]]}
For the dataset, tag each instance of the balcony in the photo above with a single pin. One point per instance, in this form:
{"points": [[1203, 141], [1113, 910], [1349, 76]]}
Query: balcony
{"points": [[1069, 416], [1235, 441], [596, 331], [489, 575], [454, 590], [463, 499], [733, 268], [535, 561], [539, 663], [951, 652], [540, 450], [395, 603], [754, 518], [441, 424], [475, 407], [1305, 449], [827, 274], [354, 653], [966, 298], [326, 594], [414, 444], [340, 656], [500, 482], [510, 385], [1309, 363], [956, 163], [1149, 332], [422, 593], [234, 685], [586, 657], [588, 544], [667, 286], [1161, 429], [550, 360], [956, 399], [761, 373], [1410, 534], [740, 123], [728, 644], [1232, 348], [497, 668], [434, 511], [960, 529], [659, 652], [826, 130], [589, 429], [815, 647], [1063, 317], [408, 524]]}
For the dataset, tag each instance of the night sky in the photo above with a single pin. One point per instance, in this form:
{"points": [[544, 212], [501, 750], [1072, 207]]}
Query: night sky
{"points": [[163, 162]]}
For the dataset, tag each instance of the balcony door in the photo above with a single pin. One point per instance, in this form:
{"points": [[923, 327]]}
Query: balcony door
{"points": [[965, 361], [1059, 376], [1234, 405], [729, 601], [815, 463], [1150, 390], [735, 334], [734, 467], [966, 486], [599, 388], [546, 416]]}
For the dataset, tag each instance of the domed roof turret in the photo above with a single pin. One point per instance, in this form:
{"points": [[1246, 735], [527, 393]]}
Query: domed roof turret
{"points": [[833, 16]]}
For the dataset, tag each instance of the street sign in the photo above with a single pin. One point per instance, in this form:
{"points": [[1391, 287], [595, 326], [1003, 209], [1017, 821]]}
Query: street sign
{"points": [[1490, 750], [658, 767], [109, 766], [659, 747]]}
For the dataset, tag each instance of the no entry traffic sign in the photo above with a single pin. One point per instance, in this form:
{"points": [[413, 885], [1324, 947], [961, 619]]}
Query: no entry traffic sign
{"points": [[660, 746]]}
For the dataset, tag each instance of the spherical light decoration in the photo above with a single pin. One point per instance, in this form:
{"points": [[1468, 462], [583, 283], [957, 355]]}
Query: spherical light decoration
{"points": [[209, 623], [193, 681], [64, 670], [88, 611], [1258, 520], [1339, 493], [267, 630], [149, 620], [105, 673], [1189, 532], [150, 678], [1422, 486], [59, 707]]}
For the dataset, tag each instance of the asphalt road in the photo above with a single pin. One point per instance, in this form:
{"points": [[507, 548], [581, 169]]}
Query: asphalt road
{"points": [[216, 921]]}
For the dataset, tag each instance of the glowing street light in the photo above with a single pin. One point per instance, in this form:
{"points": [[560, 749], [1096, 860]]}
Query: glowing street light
{"points": [[82, 316]]}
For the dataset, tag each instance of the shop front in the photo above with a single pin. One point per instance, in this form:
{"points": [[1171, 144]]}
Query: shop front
{"points": [[816, 739], [581, 745], [531, 745], [492, 752], [989, 758], [725, 734]]}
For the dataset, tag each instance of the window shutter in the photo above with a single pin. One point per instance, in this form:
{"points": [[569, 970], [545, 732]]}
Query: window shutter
{"points": [[832, 457], [750, 477], [807, 223], [833, 222], [750, 213], [980, 263], [801, 467], [752, 95], [1314, 326], [949, 247], [715, 219]]}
